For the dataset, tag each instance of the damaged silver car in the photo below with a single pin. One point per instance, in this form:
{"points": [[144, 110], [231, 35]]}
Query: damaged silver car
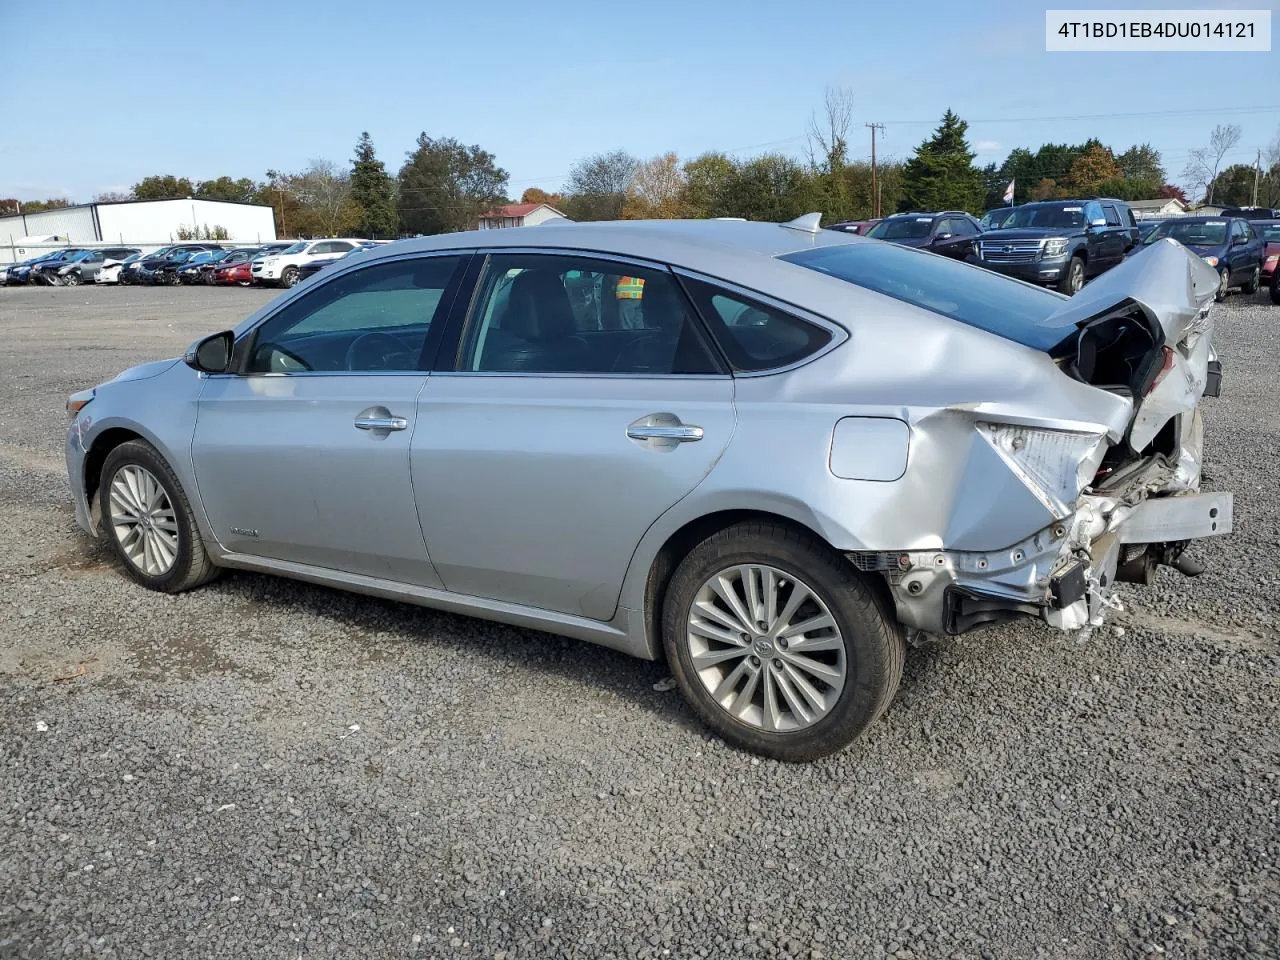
{"points": [[769, 454]]}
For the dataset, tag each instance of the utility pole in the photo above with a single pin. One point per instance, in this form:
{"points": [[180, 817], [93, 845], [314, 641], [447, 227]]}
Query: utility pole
{"points": [[875, 192], [1257, 172]]}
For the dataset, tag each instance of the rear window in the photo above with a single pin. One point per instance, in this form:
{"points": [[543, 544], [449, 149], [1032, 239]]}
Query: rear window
{"points": [[901, 228], [974, 296]]}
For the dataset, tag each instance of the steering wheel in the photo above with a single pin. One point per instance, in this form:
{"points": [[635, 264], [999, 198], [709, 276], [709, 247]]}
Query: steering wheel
{"points": [[371, 351], [633, 351]]}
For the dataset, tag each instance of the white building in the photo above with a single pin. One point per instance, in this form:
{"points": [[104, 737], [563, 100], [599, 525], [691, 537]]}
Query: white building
{"points": [[519, 215], [1157, 209], [139, 223]]}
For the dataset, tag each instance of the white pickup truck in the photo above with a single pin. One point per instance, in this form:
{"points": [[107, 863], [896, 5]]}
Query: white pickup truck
{"points": [[281, 268]]}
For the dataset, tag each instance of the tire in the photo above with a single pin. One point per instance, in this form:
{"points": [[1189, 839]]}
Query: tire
{"points": [[186, 563], [1073, 279], [73, 279], [1275, 288], [864, 643], [1224, 284], [1250, 287], [289, 277]]}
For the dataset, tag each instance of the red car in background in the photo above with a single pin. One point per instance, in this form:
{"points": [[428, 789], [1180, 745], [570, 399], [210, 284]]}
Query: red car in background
{"points": [[1270, 232], [859, 227], [234, 273]]}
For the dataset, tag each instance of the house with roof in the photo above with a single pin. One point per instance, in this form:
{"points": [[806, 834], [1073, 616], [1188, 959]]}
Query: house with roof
{"points": [[1158, 208], [519, 215]]}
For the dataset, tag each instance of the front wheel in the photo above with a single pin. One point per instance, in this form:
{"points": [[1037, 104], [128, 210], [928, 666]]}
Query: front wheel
{"points": [[1275, 287], [1224, 282], [778, 644], [289, 277], [72, 279], [1073, 280], [149, 521], [1250, 287]]}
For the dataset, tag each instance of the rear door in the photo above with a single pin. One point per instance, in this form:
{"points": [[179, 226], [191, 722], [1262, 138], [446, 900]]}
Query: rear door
{"points": [[303, 456], [1114, 237], [571, 415]]}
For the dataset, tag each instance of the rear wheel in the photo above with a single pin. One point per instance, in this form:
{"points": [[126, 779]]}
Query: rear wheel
{"points": [[1224, 282], [1073, 278], [1250, 287], [149, 521], [778, 644]]}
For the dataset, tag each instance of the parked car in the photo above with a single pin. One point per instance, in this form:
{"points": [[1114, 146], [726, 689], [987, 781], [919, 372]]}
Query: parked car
{"points": [[154, 269], [1063, 243], [806, 447], [42, 270], [1251, 213], [1270, 233], [281, 269], [855, 226], [83, 267], [239, 272], [19, 273], [1228, 244], [111, 270], [1146, 226], [194, 268], [949, 232], [315, 266], [994, 219]]}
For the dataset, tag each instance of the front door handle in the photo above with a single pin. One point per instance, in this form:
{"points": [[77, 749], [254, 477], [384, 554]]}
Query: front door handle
{"points": [[685, 433], [381, 423]]}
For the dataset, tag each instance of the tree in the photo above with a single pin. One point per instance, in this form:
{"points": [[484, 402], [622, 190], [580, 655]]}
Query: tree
{"points": [[1093, 167], [941, 175], [1142, 162], [1046, 189], [373, 192], [1171, 192], [708, 185], [538, 195], [1202, 168], [225, 188], [1233, 187], [773, 188], [38, 206], [446, 186], [163, 187], [10, 206], [324, 193], [112, 196], [597, 186], [656, 191]]}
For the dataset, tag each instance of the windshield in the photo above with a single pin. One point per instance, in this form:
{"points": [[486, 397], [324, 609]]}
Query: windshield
{"points": [[994, 219], [1271, 233], [1201, 233], [972, 295], [905, 228], [1054, 215], [296, 248]]}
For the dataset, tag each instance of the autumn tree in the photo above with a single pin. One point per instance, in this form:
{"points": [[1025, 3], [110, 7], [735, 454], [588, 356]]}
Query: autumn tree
{"points": [[10, 206], [656, 191], [241, 190], [1092, 168], [1046, 189], [941, 174], [597, 186], [538, 195], [163, 187], [373, 192], [39, 206], [1171, 192], [446, 186]]}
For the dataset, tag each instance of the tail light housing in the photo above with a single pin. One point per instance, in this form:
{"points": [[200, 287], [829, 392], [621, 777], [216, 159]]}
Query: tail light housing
{"points": [[1166, 364]]}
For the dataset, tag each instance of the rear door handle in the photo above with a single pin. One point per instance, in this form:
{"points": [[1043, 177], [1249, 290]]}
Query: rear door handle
{"points": [[381, 423], [685, 433]]}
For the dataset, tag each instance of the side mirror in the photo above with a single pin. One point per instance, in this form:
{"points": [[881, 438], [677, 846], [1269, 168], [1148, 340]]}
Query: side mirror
{"points": [[1100, 222], [212, 354], [1239, 241], [942, 236]]}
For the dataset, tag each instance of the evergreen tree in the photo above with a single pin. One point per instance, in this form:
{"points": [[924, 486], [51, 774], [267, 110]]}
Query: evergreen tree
{"points": [[941, 175], [373, 192]]}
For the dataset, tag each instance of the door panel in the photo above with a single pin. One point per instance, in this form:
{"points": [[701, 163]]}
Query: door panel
{"points": [[530, 490], [285, 473]]}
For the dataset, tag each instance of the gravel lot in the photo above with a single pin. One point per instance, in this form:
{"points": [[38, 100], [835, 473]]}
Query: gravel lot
{"points": [[269, 769]]}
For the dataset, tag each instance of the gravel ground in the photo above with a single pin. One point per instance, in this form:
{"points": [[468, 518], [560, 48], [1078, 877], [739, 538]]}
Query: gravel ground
{"points": [[269, 769]]}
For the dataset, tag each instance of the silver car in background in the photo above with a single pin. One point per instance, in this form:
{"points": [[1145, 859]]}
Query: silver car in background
{"points": [[768, 453]]}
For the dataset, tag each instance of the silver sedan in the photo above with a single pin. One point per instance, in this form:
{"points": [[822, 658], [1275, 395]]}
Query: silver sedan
{"points": [[770, 454]]}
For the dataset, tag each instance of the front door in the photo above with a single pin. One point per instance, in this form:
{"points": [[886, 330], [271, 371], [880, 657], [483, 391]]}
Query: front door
{"points": [[304, 455], [584, 403]]}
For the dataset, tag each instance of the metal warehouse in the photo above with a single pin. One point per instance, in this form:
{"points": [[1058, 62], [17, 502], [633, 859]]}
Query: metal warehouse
{"points": [[140, 223]]}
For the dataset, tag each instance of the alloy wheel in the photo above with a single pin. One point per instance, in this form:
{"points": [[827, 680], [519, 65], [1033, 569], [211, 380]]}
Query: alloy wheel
{"points": [[72, 279], [1075, 277], [144, 521], [766, 648]]}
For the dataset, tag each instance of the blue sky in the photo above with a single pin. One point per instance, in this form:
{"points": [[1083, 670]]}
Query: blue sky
{"points": [[202, 90]]}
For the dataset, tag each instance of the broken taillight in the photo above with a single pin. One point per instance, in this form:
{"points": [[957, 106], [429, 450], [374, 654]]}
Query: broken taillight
{"points": [[1165, 367]]}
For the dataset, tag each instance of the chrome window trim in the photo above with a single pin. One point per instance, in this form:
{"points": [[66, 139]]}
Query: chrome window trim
{"points": [[839, 334]]}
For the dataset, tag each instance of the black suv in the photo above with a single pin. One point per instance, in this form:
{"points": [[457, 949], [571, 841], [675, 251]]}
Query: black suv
{"points": [[949, 232], [1062, 243]]}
